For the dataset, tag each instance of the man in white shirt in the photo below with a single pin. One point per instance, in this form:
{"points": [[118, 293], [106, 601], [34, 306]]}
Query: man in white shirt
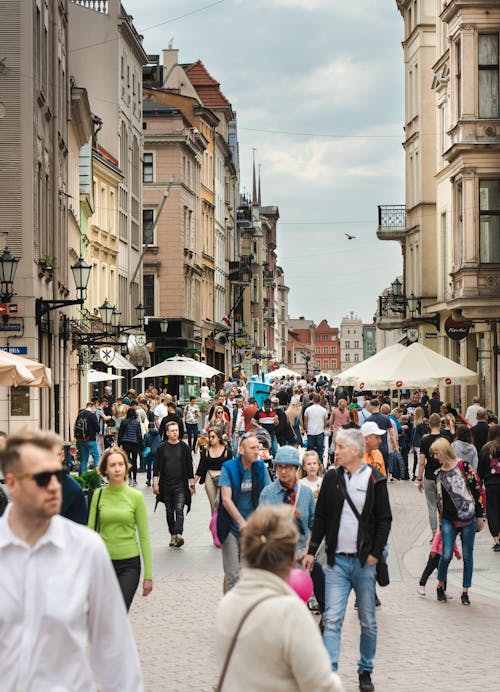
{"points": [[60, 595], [161, 410], [353, 547], [471, 413], [315, 420]]}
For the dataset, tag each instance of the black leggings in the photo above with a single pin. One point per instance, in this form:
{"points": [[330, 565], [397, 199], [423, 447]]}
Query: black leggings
{"points": [[432, 564], [493, 508], [128, 573]]}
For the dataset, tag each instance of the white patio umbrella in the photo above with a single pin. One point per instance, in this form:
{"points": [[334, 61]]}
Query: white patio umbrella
{"points": [[99, 376], [412, 366], [180, 366], [14, 374], [367, 369], [283, 372], [39, 374]]}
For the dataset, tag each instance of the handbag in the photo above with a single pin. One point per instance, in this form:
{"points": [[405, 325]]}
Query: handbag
{"points": [[381, 568], [146, 451], [218, 687], [97, 522], [213, 528]]}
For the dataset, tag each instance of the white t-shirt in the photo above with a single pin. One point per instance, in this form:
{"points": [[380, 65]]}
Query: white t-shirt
{"points": [[160, 412], [315, 419], [313, 485]]}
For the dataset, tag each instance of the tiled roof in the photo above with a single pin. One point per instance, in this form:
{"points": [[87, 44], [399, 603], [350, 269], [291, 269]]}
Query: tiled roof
{"points": [[207, 88], [106, 155]]}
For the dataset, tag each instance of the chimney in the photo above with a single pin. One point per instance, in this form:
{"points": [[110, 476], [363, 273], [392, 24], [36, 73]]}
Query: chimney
{"points": [[170, 60]]}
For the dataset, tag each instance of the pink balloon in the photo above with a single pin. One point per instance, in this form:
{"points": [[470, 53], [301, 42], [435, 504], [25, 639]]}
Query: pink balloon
{"points": [[300, 581]]}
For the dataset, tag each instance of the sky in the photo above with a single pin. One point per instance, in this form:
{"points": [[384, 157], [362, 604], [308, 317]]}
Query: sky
{"points": [[318, 90]]}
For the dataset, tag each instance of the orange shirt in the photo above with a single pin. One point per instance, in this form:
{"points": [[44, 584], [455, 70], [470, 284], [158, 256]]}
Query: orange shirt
{"points": [[376, 460]]}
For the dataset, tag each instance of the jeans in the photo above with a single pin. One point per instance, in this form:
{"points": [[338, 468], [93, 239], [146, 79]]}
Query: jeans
{"points": [[449, 534], [84, 450], [128, 572], [430, 491], [316, 442], [174, 506], [231, 559], [149, 462], [192, 433], [274, 446], [347, 574], [318, 578]]}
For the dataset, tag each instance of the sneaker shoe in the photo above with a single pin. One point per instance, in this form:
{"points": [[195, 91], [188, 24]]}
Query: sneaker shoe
{"points": [[173, 539], [365, 682], [421, 590], [465, 598], [441, 596], [148, 483], [179, 541], [496, 548]]}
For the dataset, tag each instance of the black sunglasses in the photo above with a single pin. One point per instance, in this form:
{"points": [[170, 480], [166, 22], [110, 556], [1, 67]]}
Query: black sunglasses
{"points": [[43, 478]]}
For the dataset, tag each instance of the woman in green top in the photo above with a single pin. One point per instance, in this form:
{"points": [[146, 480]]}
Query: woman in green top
{"points": [[116, 513]]}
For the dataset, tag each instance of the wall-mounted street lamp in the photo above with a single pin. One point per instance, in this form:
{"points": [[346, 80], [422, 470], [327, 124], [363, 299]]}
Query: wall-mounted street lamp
{"points": [[81, 273], [8, 268], [415, 307], [393, 304]]}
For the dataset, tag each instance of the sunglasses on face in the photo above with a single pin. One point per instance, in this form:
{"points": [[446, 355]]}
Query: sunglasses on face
{"points": [[43, 478]]}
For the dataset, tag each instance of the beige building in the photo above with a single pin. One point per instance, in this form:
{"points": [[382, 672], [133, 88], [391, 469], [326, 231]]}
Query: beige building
{"points": [[351, 341], [107, 58], [34, 199], [451, 233]]}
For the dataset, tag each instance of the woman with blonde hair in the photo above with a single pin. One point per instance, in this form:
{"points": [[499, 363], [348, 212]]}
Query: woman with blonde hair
{"points": [[118, 513], [212, 456], [219, 421], [449, 427], [264, 632], [293, 414], [461, 509]]}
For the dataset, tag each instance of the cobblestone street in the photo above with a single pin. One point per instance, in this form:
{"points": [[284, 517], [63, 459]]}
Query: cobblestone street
{"points": [[422, 645]]}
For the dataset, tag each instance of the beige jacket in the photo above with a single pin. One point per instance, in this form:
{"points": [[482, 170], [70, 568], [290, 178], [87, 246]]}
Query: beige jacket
{"points": [[279, 648]]}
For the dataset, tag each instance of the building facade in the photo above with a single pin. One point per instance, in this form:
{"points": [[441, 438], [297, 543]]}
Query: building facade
{"points": [[351, 341], [327, 353], [449, 228]]}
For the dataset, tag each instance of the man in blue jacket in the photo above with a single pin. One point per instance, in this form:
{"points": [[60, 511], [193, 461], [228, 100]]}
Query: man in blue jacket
{"points": [[241, 482]]}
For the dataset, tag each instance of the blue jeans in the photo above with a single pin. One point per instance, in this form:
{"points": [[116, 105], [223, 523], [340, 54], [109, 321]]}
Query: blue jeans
{"points": [[317, 443], [347, 574], [85, 449], [274, 446], [449, 534]]}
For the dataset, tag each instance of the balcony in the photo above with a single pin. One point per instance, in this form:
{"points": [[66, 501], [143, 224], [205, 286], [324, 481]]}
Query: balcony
{"points": [[269, 316], [96, 5], [268, 277], [391, 222]]}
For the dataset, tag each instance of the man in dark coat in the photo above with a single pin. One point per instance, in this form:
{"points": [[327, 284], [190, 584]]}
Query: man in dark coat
{"points": [[480, 430], [173, 481]]}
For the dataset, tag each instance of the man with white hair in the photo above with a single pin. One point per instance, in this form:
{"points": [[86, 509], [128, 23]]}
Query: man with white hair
{"points": [[354, 515]]}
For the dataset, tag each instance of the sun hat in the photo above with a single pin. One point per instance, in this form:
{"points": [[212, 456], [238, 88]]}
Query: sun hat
{"points": [[371, 428], [287, 455]]}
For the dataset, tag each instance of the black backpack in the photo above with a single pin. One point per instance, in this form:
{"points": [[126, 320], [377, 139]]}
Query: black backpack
{"points": [[82, 427]]}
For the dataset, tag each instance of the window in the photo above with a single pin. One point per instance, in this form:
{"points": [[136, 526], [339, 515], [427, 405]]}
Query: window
{"points": [[356, 344], [325, 349], [489, 220], [326, 365], [149, 293], [334, 349], [488, 76], [459, 76], [347, 357], [318, 349], [147, 168], [356, 357], [348, 344], [148, 227]]}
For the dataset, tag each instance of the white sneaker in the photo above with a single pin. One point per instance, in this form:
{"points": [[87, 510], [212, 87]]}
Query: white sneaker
{"points": [[421, 590]]}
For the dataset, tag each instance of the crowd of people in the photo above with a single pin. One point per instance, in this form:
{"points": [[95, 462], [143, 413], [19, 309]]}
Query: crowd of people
{"points": [[299, 481]]}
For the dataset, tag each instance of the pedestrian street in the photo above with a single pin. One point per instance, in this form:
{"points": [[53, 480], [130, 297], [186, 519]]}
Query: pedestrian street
{"points": [[422, 644]]}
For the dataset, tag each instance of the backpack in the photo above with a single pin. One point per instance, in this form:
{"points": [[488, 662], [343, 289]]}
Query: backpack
{"points": [[494, 466], [82, 427]]}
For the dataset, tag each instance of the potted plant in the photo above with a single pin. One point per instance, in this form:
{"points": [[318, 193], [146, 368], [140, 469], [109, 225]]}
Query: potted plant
{"points": [[90, 481]]}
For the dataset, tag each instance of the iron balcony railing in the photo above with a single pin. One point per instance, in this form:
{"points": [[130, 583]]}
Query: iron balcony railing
{"points": [[391, 222]]}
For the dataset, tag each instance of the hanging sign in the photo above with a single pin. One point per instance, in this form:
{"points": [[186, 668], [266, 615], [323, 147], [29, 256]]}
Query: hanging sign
{"points": [[106, 354], [457, 329]]}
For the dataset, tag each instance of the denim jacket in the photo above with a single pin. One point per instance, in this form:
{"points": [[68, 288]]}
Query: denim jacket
{"points": [[274, 494]]}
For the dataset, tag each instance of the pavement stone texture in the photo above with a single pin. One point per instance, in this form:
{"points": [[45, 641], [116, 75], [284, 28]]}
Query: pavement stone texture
{"points": [[422, 644]]}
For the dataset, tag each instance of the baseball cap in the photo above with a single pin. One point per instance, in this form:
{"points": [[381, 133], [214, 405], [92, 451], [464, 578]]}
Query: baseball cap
{"points": [[287, 455], [371, 428]]}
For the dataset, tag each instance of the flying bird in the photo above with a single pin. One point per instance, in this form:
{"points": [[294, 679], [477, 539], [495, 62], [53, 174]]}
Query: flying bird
{"points": [[350, 237]]}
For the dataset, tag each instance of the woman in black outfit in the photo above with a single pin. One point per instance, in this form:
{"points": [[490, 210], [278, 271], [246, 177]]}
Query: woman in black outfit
{"points": [[489, 472], [216, 452], [130, 439]]}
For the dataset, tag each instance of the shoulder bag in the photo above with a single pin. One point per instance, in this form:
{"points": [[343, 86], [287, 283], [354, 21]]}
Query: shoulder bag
{"points": [[381, 567], [218, 687], [97, 522]]}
